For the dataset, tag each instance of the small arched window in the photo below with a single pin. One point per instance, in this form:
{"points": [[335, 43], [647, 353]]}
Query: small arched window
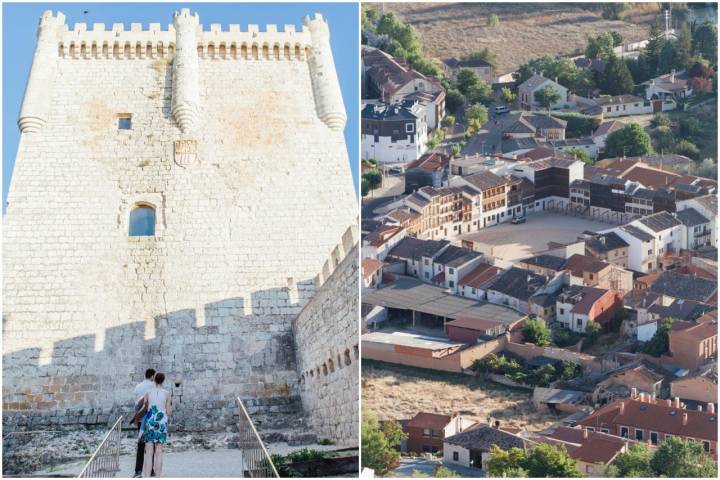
{"points": [[142, 221]]}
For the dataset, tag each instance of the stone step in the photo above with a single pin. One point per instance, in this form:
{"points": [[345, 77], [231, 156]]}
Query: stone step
{"points": [[280, 419]]}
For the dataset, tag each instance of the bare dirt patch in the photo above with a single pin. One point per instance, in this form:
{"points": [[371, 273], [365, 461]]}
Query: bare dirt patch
{"points": [[525, 31], [399, 392]]}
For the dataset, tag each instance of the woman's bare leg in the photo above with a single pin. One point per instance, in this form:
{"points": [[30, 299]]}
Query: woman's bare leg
{"points": [[148, 461], [158, 459]]}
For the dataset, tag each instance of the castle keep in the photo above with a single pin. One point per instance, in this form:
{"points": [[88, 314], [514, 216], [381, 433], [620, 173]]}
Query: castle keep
{"points": [[231, 141]]}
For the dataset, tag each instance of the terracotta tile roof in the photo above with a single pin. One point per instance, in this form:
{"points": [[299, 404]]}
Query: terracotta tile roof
{"points": [[597, 447], [472, 323], [370, 266], [480, 276], [429, 420], [578, 264], [656, 416], [582, 298], [697, 332], [430, 161], [382, 235]]}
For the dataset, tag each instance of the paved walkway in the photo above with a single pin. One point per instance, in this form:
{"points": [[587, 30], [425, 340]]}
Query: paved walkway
{"points": [[214, 464]]}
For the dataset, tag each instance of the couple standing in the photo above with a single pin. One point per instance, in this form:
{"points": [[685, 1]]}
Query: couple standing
{"points": [[153, 406]]}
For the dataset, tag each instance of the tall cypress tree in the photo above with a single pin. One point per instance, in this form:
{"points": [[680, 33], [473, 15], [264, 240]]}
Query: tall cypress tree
{"points": [[616, 79]]}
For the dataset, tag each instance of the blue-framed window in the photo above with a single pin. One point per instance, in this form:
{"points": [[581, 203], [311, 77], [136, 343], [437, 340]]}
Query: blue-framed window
{"points": [[142, 221]]}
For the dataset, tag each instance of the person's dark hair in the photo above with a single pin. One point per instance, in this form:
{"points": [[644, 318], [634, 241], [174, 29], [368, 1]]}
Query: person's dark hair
{"points": [[149, 373], [159, 378]]}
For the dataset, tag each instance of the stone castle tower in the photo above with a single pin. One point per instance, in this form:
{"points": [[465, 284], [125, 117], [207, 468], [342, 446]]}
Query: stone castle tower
{"points": [[232, 140]]}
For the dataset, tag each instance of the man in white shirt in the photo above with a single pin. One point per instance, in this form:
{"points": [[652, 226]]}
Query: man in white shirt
{"points": [[140, 390]]}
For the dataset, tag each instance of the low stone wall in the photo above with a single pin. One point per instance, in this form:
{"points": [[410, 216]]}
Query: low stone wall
{"points": [[326, 346], [503, 380]]}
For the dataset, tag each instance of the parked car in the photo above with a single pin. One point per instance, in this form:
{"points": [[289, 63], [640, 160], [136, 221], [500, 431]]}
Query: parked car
{"points": [[395, 170], [500, 109], [517, 220]]}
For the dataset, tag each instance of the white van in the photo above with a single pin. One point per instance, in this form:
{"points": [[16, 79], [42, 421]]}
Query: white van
{"points": [[500, 109]]}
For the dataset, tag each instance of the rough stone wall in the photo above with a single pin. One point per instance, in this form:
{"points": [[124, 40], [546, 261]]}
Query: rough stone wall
{"points": [[242, 230], [326, 344]]}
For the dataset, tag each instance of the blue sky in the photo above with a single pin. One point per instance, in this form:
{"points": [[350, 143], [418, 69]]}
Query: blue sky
{"points": [[20, 22]]}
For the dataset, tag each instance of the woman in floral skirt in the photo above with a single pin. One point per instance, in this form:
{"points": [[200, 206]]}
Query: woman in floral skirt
{"points": [[155, 426]]}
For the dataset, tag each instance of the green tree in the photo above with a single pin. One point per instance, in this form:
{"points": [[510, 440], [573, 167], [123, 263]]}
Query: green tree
{"points": [[612, 11], [651, 53], [631, 141], [448, 121], [676, 457], [683, 46], [660, 342], [660, 120], [376, 448], [455, 149], [465, 80], [443, 472], [705, 41], [476, 115], [592, 331], [600, 46], [569, 370], [535, 331], [507, 95], [581, 155], [483, 54], [617, 38], [506, 463], [635, 462], [492, 20], [373, 178], [687, 148], [668, 59], [707, 169], [543, 376], [663, 139], [453, 100], [364, 187], [547, 96], [616, 78], [553, 461], [480, 92], [577, 79]]}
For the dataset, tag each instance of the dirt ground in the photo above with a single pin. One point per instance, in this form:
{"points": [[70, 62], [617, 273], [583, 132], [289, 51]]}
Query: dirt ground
{"points": [[525, 31], [399, 392], [510, 242]]}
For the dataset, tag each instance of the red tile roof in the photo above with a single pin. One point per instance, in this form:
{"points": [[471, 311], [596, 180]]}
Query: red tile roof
{"points": [[429, 420], [694, 331], [430, 161], [370, 266], [656, 416], [480, 275]]}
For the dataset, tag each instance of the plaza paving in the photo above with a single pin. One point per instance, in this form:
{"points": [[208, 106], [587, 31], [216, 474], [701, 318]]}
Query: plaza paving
{"points": [[510, 242]]}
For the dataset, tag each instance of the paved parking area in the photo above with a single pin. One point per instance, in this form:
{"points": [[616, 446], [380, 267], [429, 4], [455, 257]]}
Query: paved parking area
{"points": [[511, 242]]}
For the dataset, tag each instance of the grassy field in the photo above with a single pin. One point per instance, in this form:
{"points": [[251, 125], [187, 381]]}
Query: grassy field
{"points": [[525, 31], [399, 392]]}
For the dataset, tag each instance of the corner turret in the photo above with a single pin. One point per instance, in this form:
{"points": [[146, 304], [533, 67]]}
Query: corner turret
{"points": [[186, 92], [39, 91], [328, 97]]}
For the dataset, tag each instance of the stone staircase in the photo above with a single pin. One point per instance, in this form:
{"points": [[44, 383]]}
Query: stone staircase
{"points": [[280, 419]]}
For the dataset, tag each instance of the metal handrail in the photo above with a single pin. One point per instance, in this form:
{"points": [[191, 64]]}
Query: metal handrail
{"points": [[256, 459], [105, 462]]}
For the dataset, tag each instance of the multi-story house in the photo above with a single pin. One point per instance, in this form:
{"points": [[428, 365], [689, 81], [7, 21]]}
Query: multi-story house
{"points": [[418, 255], [394, 133], [619, 105], [528, 89], [697, 229], [388, 81], [591, 272], [514, 287], [707, 206], [426, 431], [577, 306], [667, 231], [430, 170], [693, 344], [642, 256], [480, 67], [608, 247], [448, 210], [551, 179], [474, 284], [453, 264], [493, 199], [378, 243], [644, 418]]}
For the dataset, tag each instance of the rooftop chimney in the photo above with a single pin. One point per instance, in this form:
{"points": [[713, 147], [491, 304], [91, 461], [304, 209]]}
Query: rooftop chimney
{"points": [[672, 76], [585, 433], [622, 408], [677, 402], [633, 392], [642, 396], [699, 408], [684, 419], [711, 407]]}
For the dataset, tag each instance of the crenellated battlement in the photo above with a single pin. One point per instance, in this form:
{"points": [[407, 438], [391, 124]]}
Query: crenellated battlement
{"points": [[186, 43], [216, 43]]}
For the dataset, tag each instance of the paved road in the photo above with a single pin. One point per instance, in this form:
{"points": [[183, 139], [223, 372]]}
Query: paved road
{"points": [[409, 465], [371, 203]]}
